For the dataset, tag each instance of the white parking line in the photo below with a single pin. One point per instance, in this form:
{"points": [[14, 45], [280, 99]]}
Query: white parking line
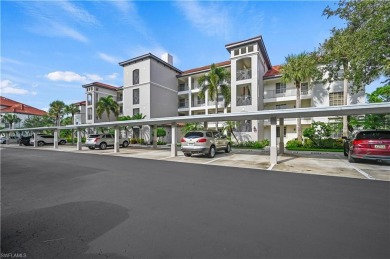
{"points": [[358, 169], [208, 162]]}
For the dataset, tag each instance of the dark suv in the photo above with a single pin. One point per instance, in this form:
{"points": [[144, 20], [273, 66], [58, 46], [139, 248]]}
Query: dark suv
{"points": [[368, 144]]}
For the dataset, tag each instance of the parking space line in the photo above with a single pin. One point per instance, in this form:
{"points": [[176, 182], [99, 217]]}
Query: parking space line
{"points": [[208, 162], [360, 171]]}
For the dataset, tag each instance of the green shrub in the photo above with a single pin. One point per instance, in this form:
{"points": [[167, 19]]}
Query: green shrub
{"points": [[253, 144], [294, 143], [141, 141], [160, 142], [133, 141]]}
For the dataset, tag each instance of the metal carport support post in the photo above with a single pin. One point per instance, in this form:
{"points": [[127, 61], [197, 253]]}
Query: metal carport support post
{"points": [[78, 139], [155, 136], [281, 139], [7, 138], [273, 148], [116, 141], [173, 145], [35, 138], [56, 139]]}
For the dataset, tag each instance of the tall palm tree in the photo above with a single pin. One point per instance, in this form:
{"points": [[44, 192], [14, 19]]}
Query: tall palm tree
{"points": [[229, 126], [297, 69], [72, 110], [10, 119], [216, 82], [107, 105], [56, 110], [138, 116]]}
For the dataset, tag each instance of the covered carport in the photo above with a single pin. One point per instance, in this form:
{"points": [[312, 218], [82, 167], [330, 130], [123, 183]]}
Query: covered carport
{"points": [[273, 115]]}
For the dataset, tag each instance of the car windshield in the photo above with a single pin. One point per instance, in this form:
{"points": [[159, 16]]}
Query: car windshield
{"points": [[194, 135], [373, 135], [94, 136]]}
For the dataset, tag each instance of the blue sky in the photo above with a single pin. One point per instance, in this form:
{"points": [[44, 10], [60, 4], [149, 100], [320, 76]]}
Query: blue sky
{"points": [[49, 49]]}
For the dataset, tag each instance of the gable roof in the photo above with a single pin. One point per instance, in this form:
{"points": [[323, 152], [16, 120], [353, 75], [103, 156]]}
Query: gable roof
{"points": [[149, 56], [273, 72], [12, 106], [204, 68], [110, 87]]}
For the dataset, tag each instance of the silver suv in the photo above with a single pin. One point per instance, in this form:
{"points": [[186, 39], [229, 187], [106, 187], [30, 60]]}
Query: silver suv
{"points": [[102, 141], [204, 142], [43, 139]]}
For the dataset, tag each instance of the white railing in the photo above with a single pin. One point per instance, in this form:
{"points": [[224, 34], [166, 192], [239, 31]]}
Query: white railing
{"points": [[243, 100], [243, 74], [280, 93]]}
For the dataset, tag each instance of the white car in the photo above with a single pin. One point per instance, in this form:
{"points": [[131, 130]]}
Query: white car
{"points": [[102, 141], [43, 139], [11, 140]]}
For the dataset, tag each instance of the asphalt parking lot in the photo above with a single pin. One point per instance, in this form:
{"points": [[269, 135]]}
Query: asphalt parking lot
{"points": [[82, 205], [316, 163]]}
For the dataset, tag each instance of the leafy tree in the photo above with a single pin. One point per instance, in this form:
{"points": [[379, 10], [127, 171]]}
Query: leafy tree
{"points": [[297, 69], [39, 121], [57, 110], [216, 82], [317, 132], [161, 132], [192, 126], [11, 119], [107, 105], [381, 94], [230, 126], [72, 110]]}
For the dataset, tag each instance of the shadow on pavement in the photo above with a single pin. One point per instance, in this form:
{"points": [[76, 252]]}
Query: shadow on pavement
{"points": [[62, 231]]}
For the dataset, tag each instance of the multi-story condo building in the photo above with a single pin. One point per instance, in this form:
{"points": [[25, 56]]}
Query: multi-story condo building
{"points": [[155, 88]]}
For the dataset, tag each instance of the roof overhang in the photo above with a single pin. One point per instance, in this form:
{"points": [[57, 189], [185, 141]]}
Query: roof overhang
{"points": [[148, 56]]}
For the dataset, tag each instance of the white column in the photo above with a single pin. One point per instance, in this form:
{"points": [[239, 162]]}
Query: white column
{"points": [[273, 148], [155, 136], [116, 141], [189, 95], [78, 139], [206, 101], [281, 139], [35, 139], [56, 139], [173, 145], [7, 138]]}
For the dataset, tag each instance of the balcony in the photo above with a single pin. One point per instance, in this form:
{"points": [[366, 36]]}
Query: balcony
{"points": [[284, 93], [243, 100], [243, 74], [183, 87], [199, 104], [183, 104]]}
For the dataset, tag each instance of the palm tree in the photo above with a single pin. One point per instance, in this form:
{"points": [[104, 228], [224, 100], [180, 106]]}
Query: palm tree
{"points": [[10, 119], [107, 105], [56, 110], [229, 126], [192, 126], [297, 69], [216, 82], [72, 110], [138, 116]]}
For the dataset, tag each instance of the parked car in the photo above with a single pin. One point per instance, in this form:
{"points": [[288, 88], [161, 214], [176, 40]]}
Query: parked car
{"points": [[11, 140], [103, 141], [25, 140], [43, 139], [204, 142], [368, 144]]}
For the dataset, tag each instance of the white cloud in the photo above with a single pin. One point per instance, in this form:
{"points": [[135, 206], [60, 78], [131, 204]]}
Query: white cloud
{"points": [[123, 6], [34, 93], [210, 18], [70, 76], [113, 76], [11, 61], [108, 58], [64, 30], [8, 87], [77, 13]]}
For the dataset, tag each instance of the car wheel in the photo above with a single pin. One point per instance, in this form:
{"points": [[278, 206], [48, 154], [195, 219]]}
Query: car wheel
{"points": [[212, 152], [92, 148], [62, 142], [103, 145], [228, 148], [350, 158], [187, 154], [41, 143], [125, 144]]}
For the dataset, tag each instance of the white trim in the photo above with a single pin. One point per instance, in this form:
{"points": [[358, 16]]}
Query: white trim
{"points": [[151, 83]]}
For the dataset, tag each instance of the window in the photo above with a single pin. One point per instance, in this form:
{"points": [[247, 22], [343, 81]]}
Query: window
{"points": [[135, 76], [281, 106], [244, 126], [135, 111], [136, 96], [243, 50], [244, 96], [200, 100], [89, 113], [209, 134], [250, 49], [336, 99], [278, 131], [89, 99], [304, 88], [121, 109], [220, 98], [236, 52], [280, 88], [182, 103]]}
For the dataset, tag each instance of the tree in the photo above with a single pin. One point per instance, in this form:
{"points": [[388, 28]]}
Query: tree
{"points": [[57, 110], [38, 121], [216, 82], [107, 105], [230, 126], [192, 126], [317, 132], [297, 69], [72, 110], [381, 94], [10, 119]]}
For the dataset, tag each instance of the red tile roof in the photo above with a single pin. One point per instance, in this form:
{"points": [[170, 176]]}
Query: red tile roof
{"points": [[274, 71], [205, 68], [111, 87], [17, 107], [80, 103]]}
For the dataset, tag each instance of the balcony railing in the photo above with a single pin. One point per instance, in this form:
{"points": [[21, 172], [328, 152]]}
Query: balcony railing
{"points": [[198, 104], [288, 92], [243, 74], [243, 100], [183, 87], [183, 105]]}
